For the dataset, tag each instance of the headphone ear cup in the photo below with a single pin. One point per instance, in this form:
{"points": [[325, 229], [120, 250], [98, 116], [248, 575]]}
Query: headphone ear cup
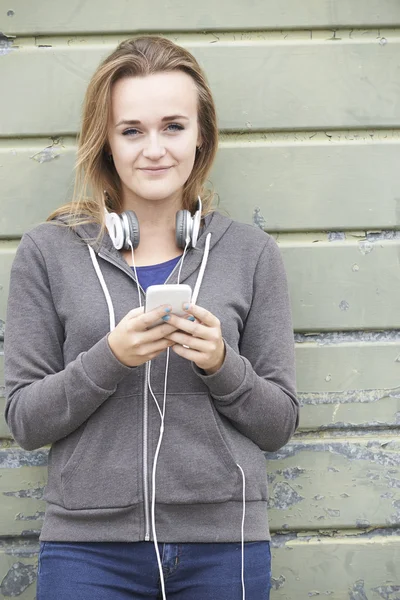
{"points": [[182, 227], [130, 224]]}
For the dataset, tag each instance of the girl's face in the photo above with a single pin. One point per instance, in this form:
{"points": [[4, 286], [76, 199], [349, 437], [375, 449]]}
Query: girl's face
{"points": [[153, 135]]}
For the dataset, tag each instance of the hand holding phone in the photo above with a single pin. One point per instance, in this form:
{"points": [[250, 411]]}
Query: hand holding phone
{"points": [[173, 294]]}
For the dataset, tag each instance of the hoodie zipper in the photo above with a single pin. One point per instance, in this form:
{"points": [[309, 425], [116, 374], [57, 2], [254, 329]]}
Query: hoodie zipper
{"points": [[146, 502]]}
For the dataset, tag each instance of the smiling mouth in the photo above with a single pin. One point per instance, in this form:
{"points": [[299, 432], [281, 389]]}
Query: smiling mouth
{"points": [[155, 169]]}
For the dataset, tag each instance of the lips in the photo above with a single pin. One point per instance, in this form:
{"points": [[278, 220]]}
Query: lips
{"points": [[154, 168]]}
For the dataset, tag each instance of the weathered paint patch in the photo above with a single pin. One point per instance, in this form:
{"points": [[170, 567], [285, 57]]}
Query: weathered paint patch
{"points": [[345, 337], [6, 44], [18, 579], [344, 305], [358, 591], [388, 592], [336, 236], [16, 458], [36, 493], [258, 219], [370, 452], [348, 396], [291, 472], [48, 154], [278, 583], [283, 496], [38, 516]]}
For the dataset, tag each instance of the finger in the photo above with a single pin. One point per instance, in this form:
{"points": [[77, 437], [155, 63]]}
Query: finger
{"points": [[203, 315], [194, 343], [187, 353], [152, 349], [135, 312], [157, 333], [146, 320], [193, 328]]}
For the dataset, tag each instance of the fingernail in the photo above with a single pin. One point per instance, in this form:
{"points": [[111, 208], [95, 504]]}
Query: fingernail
{"points": [[186, 306], [191, 318], [167, 309], [166, 318]]}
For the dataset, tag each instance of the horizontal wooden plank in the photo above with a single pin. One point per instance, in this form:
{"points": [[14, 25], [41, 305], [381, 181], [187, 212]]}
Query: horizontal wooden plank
{"points": [[343, 285], [314, 484], [55, 16], [343, 385], [341, 568], [335, 483], [334, 286], [309, 184], [257, 85]]}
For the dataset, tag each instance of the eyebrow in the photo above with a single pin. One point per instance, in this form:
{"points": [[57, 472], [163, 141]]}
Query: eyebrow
{"points": [[163, 120]]}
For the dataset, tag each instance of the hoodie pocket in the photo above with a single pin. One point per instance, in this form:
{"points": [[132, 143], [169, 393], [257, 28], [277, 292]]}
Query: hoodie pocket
{"points": [[102, 471], [195, 464]]}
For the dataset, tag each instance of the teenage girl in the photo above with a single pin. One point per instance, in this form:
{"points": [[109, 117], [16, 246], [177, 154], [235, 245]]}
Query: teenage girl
{"points": [[157, 474]]}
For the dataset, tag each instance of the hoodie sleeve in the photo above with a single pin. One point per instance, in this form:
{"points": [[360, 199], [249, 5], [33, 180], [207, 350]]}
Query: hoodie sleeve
{"points": [[46, 400], [255, 389]]}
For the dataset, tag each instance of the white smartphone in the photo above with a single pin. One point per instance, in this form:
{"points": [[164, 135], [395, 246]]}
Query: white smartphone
{"points": [[174, 294]]}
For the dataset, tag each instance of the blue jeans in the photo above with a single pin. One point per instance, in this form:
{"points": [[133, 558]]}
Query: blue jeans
{"points": [[129, 571]]}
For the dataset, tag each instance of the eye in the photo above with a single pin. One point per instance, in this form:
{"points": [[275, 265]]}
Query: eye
{"points": [[130, 132], [175, 127]]}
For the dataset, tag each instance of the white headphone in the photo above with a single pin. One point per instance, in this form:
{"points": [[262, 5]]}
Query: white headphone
{"points": [[124, 228]]}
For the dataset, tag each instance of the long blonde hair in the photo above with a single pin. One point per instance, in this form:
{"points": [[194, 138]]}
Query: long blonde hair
{"points": [[94, 173]]}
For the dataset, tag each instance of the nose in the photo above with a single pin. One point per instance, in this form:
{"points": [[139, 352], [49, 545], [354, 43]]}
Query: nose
{"points": [[154, 149]]}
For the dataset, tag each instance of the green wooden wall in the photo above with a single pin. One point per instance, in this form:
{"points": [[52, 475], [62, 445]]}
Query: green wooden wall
{"points": [[308, 98]]}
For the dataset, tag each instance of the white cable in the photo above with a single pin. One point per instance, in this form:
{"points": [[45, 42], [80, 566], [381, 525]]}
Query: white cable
{"points": [[153, 474], [202, 269], [104, 288], [187, 241], [134, 269], [242, 536]]}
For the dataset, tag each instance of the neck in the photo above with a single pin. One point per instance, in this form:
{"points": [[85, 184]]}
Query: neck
{"points": [[157, 231]]}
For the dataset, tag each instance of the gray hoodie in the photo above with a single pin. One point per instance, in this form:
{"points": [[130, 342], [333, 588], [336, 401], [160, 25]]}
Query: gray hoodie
{"points": [[65, 387]]}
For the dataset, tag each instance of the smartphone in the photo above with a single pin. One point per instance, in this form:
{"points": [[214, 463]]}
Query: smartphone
{"points": [[170, 293]]}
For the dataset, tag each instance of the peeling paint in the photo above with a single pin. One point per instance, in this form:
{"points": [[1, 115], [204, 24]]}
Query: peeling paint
{"points": [[344, 305], [258, 219], [348, 397], [345, 337], [291, 472], [284, 496], [18, 579], [6, 44], [39, 515], [36, 493], [336, 236], [278, 583], [48, 154], [358, 592], [365, 246], [331, 512], [386, 592], [16, 458], [363, 523], [371, 452]]}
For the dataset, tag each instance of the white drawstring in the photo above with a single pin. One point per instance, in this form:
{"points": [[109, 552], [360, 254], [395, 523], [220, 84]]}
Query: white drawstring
{"points": [[242, 529], [202, 269], [104, 288]]}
